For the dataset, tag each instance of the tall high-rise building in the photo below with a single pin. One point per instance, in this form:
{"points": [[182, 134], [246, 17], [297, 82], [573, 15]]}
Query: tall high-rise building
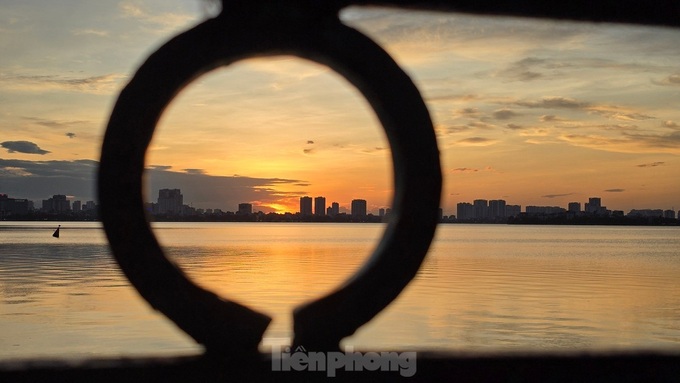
{"points": [[481, 208], [358, 207], [170, 201], [593, 205], [334, 209], [245, 208], [465, 211], [320, 206], [58, 203], [305, 205], [497, 208], [76, 206]]}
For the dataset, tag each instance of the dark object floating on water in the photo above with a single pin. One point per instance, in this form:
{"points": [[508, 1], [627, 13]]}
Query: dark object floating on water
{"points": [[56, 232]]}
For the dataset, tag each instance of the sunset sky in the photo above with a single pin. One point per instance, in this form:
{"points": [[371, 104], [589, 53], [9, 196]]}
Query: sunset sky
{"points": [[533, 112]]}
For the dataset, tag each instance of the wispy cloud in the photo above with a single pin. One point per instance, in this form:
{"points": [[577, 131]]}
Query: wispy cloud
{"points": [[464, 170], [90, 32], [628, 142], [104, 84], [477, 141], [554, 103], [556, 195], [673, 80], [55, 124], [162, 22], [615, 190], [651, 164], [504, 114]]}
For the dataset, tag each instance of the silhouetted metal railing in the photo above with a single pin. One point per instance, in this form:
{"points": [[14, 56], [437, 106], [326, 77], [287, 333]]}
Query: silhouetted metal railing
{"points": [[231, 332]]}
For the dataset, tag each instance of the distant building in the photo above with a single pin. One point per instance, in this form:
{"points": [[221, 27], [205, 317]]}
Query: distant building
{"points": [[465, 211], [648, 213], [574, 207], [170, 201], [497, 209], [245, 208], [669, 214], [513, 210], [89, 205], [334, 209], [481, 208], [305, 205], [593, 205], [57, 204], [76, 206], [544, 210], [381, 212], [14, 206], [358, 207], [320, 206]]}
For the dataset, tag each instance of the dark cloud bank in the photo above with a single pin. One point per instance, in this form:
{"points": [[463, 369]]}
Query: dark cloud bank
{"points": [[37, 180]]}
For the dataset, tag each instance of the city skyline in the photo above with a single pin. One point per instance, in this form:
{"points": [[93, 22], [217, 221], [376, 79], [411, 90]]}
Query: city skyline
{"points": [[532, 111], [171, 201]]}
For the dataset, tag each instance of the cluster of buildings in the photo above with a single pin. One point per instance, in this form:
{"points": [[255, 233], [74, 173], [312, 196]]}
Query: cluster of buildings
{"points": [[170, 203], [358, 207], [58, 204], [481, 210]]}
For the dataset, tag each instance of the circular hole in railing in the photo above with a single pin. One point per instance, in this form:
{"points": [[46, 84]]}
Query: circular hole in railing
{"points": [[266, 132]]}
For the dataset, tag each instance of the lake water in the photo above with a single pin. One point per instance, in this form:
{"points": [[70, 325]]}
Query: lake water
{"points": [[483, 288]]}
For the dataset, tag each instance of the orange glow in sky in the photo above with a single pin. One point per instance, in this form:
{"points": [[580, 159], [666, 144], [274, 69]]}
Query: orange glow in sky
{"points": [[532, 112]]}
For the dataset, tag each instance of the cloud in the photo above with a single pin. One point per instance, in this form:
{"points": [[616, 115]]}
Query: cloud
{"points": [[673, 80], [523, 70], [670, 124], [615, 190], [468, 111], [165, 20], [651, 165], [628, 142], [104, 84], [70, 135], [308, 151], [53, 124], [555, 103], [477, 141], [194, 171], [159, 167], [91, 32], [556, 195], [23, 147], [310, 142], [514, 127], [616, 113], [38, 180], [464, 170], [504, 114], [549, 118]]}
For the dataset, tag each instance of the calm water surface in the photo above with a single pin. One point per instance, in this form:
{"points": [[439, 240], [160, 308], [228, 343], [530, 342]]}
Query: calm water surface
{"points": [[482, 287]]}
